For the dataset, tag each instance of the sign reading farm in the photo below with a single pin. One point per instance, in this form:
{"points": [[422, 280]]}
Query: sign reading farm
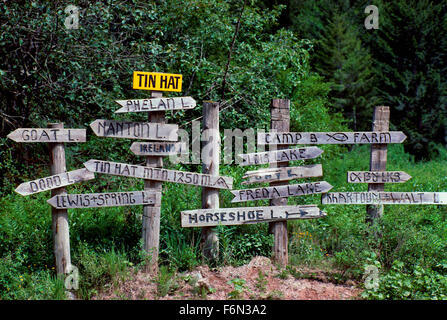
{"points": [[157, 81]]}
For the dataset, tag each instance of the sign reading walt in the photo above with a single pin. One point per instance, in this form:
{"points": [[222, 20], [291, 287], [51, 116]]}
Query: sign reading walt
{"points": [[157, 81]]}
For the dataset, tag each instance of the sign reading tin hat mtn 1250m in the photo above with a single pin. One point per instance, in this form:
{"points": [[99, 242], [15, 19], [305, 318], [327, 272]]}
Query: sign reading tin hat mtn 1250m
{"points": [[157, 81]]}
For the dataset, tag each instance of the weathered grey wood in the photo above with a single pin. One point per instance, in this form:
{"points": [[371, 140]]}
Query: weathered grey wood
{"points": [[331, 137], [381, 198], [283, 155], [280, 121], [282, 174], [281, 191], [135, 130], [156, 104], [107, 199], [381, 122], [151, 213], [55, 181], [159, 174], [210, 165], [378, 176], [48, 135], [60, 228], [247, 215], [158, 148]]}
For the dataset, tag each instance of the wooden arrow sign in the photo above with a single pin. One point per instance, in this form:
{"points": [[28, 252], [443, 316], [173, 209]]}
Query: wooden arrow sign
{"points": [[235, 216], [384, 198], [283, 174], [156, 104], [135, 130], [280, 155], [331, 137], [159, 174], [158, 148], [53, 182], [280, 191], [108, 199], [48, 135], [377, 176]]}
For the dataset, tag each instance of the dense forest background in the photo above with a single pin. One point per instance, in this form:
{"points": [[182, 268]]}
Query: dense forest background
{"points": [[318, 54]]}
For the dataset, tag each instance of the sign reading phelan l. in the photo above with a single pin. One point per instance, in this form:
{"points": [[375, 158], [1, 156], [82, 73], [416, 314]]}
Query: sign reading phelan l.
{"points": [[156, 104], [53, 182], [48, 135], [157, 81], [159, 174], [135, 130], [280, 155], [384, 198], [331, 137], [109, 199], [280, 191], [234, 216]]}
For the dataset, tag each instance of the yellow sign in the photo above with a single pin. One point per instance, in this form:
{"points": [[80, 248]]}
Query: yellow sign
{"points": [[157, 81]]}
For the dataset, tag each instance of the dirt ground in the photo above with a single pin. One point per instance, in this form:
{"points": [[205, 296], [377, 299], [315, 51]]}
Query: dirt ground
{"points": [[260, 280]]}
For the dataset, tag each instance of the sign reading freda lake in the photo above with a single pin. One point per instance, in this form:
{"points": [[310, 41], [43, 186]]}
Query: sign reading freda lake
{"points": [[159, 174], [235, 216], [331, 137]]}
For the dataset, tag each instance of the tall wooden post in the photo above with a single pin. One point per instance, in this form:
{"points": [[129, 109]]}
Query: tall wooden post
{"points": [[280, 122], [151, 212], [61, 234], [210, 165], [381, 122]]}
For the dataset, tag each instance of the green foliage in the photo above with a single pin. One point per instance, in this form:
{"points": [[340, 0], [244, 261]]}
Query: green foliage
{"points": [[238, 288], [166, 281]]}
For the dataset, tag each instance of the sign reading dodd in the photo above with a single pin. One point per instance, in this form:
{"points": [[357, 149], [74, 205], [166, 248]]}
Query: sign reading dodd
{"points": [[157, 81]]}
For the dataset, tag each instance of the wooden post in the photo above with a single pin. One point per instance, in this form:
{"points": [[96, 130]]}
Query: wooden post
{"points": [[210, 165], [280, 122], [381, 122], [151, 213], [61, 235]]}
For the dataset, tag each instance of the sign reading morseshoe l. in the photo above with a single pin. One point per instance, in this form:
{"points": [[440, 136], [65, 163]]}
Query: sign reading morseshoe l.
{"points": [[157, 81]]}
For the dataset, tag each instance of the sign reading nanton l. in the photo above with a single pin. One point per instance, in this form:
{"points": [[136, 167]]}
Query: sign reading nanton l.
{"points": [[156, 104], [108, 199], [331, 137], [157, 81], [235, 216], [48, 135], [159, 174], [135, 130], [384, 198]]}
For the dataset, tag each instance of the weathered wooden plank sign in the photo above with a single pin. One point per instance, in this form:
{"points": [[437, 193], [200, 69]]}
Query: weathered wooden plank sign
{"points": [[280, 155], [48, 135], [158, 148], [378, 176], [135, 130], [282, 174], [159, 174], [236, 216], [156, 104], [280, 191], [157, 81], [108, 199], [331, 137], [384, 198], [55, 181]]}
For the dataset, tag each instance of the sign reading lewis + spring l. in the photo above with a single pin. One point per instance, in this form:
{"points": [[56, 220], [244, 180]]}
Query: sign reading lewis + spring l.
{"points": [[157, 81]]}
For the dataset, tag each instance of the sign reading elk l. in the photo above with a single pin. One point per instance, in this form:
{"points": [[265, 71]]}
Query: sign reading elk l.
{"points": [[157, 81], [331, 137]]}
